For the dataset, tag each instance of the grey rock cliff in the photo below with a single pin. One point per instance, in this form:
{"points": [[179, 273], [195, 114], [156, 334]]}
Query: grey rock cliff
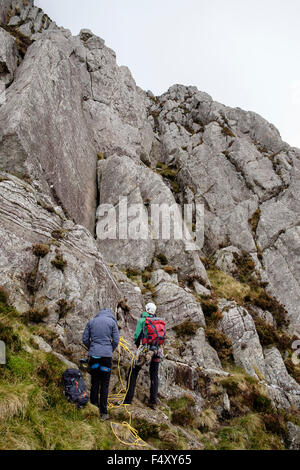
{"points": [[76, 132]]}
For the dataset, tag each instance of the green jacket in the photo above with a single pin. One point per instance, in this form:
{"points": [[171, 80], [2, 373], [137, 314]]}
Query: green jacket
{"points": [[140, 326]]}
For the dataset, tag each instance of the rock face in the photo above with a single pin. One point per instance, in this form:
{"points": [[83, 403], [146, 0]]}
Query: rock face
{"points": [[74, 286], [77, 135], [235, 163]]}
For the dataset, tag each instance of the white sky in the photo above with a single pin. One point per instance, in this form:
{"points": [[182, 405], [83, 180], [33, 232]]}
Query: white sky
{"points": [[244, 53]]}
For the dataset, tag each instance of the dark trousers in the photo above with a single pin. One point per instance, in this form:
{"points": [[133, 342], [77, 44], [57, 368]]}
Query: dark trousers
{"points": [[100, 380], [153, 369]]}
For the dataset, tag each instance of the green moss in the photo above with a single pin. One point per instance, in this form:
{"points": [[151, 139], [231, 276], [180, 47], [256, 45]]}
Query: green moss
{"points": [[21, 366]]}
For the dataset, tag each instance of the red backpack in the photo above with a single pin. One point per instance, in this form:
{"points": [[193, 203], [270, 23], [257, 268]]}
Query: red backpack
{"points": [[156, 331]]}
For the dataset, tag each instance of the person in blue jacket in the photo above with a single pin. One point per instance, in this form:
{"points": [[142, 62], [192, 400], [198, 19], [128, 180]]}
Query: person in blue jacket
{"points": [[101, 337]]}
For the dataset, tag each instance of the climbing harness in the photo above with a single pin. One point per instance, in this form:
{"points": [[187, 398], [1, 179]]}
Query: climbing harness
{"points": [[116, 401]]}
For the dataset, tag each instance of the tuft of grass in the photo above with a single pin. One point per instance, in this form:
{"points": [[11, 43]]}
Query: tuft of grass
{"points": [[41, 250], [186, 329], [221, 343], [225, 286], [211, 311], [59, 262], [254, 220], [247, 433]]}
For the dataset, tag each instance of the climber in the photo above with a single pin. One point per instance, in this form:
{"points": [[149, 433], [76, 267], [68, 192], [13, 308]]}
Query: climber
{"points": [[101, 337], [149, 335]]}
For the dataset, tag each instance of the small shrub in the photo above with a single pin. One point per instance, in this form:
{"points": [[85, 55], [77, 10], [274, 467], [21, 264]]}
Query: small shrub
{"points": [[254, 220], [274, 423], [266, 332], [49, 371], [162, 259], [41, 250], [59, 262], [101, 156], [211, 312], [265, 301], [221, 343], [145, 429], [58, 234], [36, 316], [132, 273], [261, 403], [10, 338], [293, 370], [187, 328], [166, 171], [3, 296], [231, 385], [183, 417]]}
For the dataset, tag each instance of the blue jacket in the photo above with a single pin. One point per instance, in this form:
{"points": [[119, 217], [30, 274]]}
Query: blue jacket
{"points": [[101, 335]]}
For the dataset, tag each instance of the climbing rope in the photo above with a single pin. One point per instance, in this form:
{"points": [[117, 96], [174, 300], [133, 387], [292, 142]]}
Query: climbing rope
{"points": [[116, 400]]}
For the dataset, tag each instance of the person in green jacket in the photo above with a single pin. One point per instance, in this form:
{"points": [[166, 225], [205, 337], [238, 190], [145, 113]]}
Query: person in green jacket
{"points": [[153, 356]]}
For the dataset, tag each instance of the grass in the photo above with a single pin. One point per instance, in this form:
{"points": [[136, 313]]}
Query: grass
{"points": [[34, 415], [226, 287], [247, 433]]}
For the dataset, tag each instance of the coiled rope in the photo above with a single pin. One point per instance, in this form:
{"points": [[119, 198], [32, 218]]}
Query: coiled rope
{"points": [[116, 400]]}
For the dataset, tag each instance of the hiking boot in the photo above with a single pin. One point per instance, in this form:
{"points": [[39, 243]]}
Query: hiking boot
{"points": [[105, 417]]}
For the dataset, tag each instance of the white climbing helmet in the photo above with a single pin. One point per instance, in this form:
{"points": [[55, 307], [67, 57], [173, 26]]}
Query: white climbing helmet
{"points": [[151, 308]]}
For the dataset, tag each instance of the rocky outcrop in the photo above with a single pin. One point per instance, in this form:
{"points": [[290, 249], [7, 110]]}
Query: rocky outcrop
{"points": [[49, 265], [236, 164], [78, 135], [267, 364], [293, 436]]}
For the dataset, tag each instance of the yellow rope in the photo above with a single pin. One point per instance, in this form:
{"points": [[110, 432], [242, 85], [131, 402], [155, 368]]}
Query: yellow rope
{"points": [[119, 397]]}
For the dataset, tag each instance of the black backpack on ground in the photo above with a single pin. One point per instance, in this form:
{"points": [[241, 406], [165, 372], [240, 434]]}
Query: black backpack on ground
{"points": [[74, 388]]}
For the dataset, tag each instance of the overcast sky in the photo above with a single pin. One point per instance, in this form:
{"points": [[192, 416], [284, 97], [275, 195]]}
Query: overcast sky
{"points": [[244, 53]]}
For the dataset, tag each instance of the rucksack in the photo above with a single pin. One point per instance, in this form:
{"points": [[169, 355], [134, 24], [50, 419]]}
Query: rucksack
{"points": [[156, 331], [74, 388]]}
